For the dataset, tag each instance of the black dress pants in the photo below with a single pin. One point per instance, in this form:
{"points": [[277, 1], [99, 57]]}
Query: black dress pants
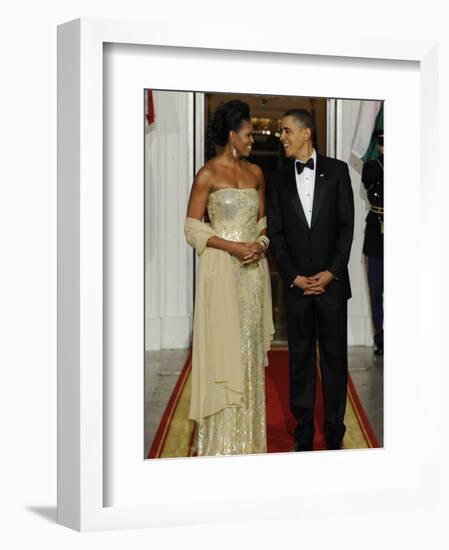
{"points": [[375, 266], [310, 319]]}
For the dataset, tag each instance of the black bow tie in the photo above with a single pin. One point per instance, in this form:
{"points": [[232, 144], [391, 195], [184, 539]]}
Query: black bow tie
{"points": [[301, 165]]}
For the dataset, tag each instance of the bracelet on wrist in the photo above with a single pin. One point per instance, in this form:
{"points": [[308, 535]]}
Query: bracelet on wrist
{"points": [[264, 241]]}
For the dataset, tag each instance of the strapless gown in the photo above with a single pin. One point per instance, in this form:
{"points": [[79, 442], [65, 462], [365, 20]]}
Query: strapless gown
{"points": [[240, 429]]}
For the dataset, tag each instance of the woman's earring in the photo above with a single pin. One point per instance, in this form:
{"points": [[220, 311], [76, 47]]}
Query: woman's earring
{"points": [[234, 151]]}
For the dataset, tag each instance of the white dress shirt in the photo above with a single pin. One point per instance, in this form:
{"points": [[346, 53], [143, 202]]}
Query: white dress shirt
{"points": [[305, 183]]}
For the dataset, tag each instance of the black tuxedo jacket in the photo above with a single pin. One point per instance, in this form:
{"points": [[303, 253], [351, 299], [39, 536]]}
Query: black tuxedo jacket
{"points": [[302, 250]]}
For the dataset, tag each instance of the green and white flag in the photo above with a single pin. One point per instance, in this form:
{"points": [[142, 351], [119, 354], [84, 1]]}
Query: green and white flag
{"points": [[370, 120]]}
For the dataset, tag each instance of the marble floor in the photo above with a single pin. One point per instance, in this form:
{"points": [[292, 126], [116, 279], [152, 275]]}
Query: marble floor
{"points": [[162, 369]]}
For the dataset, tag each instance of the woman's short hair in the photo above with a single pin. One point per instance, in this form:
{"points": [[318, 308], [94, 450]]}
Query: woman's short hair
{"points": [[228, 116]]}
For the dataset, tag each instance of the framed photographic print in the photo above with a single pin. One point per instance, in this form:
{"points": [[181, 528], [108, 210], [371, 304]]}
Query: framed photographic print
{"points": [[121, 253], [179, 124]]}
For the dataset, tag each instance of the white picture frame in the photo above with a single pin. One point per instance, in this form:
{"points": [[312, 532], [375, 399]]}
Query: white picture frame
{"points": [[82, 491]]}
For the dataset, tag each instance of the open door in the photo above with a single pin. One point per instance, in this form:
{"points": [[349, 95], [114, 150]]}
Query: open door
{"points": [[266, 113]]}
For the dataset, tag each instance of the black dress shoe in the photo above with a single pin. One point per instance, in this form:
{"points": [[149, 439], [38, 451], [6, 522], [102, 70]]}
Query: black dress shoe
{"points": [[379, 350], [300, 447], [333, 445]]}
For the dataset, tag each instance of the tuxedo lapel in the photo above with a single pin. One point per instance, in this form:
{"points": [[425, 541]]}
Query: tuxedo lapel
{"points": [[319, 189], [293, 193]]}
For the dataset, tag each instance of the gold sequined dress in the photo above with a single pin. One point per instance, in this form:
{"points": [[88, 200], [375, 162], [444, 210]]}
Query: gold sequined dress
{"points": [[240, 429]]}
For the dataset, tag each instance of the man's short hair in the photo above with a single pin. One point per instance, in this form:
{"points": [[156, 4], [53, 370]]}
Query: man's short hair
{"points": [[303, 117]]}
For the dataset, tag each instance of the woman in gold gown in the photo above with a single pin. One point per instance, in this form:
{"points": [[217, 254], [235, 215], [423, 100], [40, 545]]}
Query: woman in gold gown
{"points": [[233, 323]]}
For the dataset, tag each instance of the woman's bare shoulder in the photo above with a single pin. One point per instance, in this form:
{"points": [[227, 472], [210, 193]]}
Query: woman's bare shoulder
{"points": [[209, 169], [211, 174], [205, 174]]}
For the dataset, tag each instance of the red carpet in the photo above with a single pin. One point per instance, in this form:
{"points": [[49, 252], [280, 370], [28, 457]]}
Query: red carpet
{"points": [[175, 433], [280, 421]]}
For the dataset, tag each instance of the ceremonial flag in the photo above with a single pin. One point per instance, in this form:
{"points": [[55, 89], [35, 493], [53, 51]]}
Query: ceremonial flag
{"points": [[150, 107], [369, 121]]}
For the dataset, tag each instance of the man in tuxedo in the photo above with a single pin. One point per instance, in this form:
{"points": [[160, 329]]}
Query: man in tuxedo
{"points": [[310, 208]]}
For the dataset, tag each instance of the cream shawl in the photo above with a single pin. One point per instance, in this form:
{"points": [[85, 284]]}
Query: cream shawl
{"points": [[216, 359]]}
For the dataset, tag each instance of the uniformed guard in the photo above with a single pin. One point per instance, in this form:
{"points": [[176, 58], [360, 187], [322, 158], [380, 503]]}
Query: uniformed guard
{"points": [[373, 244]]}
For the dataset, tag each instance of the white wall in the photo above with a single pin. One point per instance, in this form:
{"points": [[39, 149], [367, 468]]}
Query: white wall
{"points": [[169, 260], [359, 312]]}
